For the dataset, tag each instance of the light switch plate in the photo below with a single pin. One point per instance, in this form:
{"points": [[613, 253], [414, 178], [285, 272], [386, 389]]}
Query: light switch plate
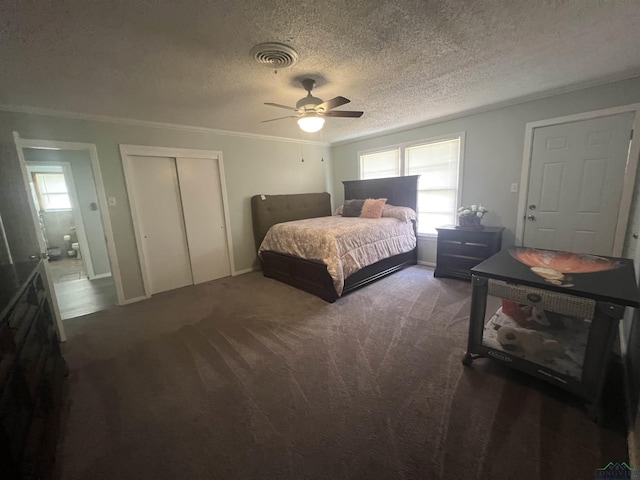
{"points": [[514, 188], [112, 201]]}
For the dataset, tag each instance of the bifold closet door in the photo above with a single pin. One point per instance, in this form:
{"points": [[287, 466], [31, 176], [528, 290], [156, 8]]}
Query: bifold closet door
{"points": [[160, 219], [204, 219]]}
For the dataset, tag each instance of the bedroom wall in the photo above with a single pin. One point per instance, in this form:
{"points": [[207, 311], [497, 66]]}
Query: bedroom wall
{"points": [[253, 165], [493, 149]]}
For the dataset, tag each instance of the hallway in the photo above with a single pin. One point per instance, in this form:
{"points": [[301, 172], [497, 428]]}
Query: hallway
{"points": [[76, 294]]}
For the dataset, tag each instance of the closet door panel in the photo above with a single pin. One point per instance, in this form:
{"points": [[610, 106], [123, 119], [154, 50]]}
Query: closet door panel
{"points": [[160, 221], [204, 218]]}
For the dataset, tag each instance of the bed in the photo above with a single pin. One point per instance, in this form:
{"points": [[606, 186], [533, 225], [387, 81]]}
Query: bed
{"points": [[312, 275]]}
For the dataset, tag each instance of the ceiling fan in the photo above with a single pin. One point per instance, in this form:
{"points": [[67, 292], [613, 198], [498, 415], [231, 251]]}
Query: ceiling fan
{"points": [[311, 110]]}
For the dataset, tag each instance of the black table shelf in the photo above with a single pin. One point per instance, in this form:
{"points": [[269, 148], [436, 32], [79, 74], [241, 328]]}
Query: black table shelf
{"points": [[559, 326]]}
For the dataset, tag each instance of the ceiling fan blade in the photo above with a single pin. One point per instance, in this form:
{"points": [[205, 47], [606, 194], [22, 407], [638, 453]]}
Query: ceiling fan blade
{"points": [[333, 103], [280, 106], [279, 118], [341, 113]]}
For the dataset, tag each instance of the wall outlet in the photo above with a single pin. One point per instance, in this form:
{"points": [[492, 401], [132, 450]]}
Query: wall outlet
{"points": [[112, 201], [514, 188]]}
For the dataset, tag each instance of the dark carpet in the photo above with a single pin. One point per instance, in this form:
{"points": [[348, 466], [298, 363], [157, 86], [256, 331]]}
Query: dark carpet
{"points": [[247, 378]]}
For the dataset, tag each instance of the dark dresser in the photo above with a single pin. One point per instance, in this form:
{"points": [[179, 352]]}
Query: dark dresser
{"points": [[460, 250], [31, 374]]}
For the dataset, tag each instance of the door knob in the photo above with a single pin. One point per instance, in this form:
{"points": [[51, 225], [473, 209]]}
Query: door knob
{"points": [[531, 217], [532, 207]]}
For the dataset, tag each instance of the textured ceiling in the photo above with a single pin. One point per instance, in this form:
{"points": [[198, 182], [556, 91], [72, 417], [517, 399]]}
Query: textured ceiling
{"points": [[402, 62]]}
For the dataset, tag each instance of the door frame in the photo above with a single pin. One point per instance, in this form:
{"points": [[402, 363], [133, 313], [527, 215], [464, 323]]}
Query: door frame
{"points": [[148, 151], [100, 191], [67, 171], [629, 177]]}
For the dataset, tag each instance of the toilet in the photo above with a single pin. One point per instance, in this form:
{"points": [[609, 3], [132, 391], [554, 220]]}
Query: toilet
{"points": [[75, 247]]}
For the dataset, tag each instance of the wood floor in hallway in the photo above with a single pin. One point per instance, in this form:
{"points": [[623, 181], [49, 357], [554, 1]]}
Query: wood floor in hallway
{"points": [[84, 296]]}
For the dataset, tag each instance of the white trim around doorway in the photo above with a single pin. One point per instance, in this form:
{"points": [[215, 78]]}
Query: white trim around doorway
{"points": [[102, 197], [629, 178]]}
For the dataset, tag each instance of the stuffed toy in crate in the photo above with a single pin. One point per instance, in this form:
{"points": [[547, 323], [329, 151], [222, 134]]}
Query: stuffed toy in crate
{"points": [[532, 343]]}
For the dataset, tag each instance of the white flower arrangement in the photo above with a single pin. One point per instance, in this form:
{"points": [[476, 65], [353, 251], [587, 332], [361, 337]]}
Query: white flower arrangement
{"points": [[472, 211]]}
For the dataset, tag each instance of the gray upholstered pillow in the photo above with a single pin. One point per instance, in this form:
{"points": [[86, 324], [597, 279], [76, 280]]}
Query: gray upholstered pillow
{"points": [[352, 208]]}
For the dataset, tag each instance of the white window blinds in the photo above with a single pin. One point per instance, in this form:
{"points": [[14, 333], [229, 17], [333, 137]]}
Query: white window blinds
{"points": [[380, 164], [52, 191], [437, 162]]}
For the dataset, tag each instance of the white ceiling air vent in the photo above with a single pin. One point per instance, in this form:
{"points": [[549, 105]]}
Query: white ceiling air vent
{"points": [[274, 55]]}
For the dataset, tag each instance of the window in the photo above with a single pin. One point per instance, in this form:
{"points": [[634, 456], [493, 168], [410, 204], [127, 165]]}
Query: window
{"points": [[438, 162], [381, 164], [51, 190]]}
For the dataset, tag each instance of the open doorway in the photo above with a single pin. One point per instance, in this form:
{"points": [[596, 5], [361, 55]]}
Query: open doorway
{"points": [[65, 196]]}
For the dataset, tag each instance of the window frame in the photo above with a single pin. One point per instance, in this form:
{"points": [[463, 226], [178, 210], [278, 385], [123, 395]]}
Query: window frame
{"points": [[402, 147], [39, 194]]}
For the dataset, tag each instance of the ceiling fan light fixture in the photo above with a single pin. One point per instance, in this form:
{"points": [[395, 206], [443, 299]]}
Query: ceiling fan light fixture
{"points": [[311, 123]]}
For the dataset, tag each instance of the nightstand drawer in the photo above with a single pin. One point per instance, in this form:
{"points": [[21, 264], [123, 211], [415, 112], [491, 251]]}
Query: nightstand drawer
{"points": [[467, 237], [460, 250], [475, 250]]}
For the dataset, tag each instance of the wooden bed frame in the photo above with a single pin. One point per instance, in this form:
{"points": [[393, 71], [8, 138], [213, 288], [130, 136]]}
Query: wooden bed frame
{"points": [[312, 276]]}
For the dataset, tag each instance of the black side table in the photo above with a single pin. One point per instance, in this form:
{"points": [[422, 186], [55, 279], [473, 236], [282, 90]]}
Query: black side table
{"points": [[459, 250]]}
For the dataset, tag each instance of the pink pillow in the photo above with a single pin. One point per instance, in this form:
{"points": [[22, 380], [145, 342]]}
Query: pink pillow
{"points": [[372, 208]]}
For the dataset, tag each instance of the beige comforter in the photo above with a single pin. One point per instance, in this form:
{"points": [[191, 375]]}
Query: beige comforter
{"points": [[344, 244]]}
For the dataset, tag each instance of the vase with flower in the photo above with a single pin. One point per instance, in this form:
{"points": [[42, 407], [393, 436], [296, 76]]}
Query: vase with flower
{"points": [[470, 218]]}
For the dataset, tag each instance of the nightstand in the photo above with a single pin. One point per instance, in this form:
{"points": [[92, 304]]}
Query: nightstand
{"points": [[460, 250]]}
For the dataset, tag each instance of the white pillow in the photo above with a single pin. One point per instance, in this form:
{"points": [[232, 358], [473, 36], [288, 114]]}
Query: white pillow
{"points": [[404, 214]]}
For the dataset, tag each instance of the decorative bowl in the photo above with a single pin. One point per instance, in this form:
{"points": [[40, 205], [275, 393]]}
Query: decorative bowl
{"points": [[553, 265]]}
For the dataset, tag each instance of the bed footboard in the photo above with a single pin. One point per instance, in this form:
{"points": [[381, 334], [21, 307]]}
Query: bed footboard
{"points": [[313, 277], [306, 275]]}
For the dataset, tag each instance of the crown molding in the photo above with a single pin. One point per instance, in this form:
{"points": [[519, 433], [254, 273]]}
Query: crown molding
{"points": [[149, 124], [491, 107]]}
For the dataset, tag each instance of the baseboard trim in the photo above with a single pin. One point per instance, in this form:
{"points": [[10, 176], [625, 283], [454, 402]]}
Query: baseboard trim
{"points": [[426, 264], [102, 275], [134, 300], [246, 270]]}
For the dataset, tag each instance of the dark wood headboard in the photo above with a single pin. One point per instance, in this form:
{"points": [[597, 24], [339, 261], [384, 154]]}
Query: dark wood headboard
{"points": [[399, 191]]}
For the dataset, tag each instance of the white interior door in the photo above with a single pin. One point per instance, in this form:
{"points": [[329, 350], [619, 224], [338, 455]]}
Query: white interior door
{"points": [[575, 184], [203, 210], [158, 209], [33, 242]]}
